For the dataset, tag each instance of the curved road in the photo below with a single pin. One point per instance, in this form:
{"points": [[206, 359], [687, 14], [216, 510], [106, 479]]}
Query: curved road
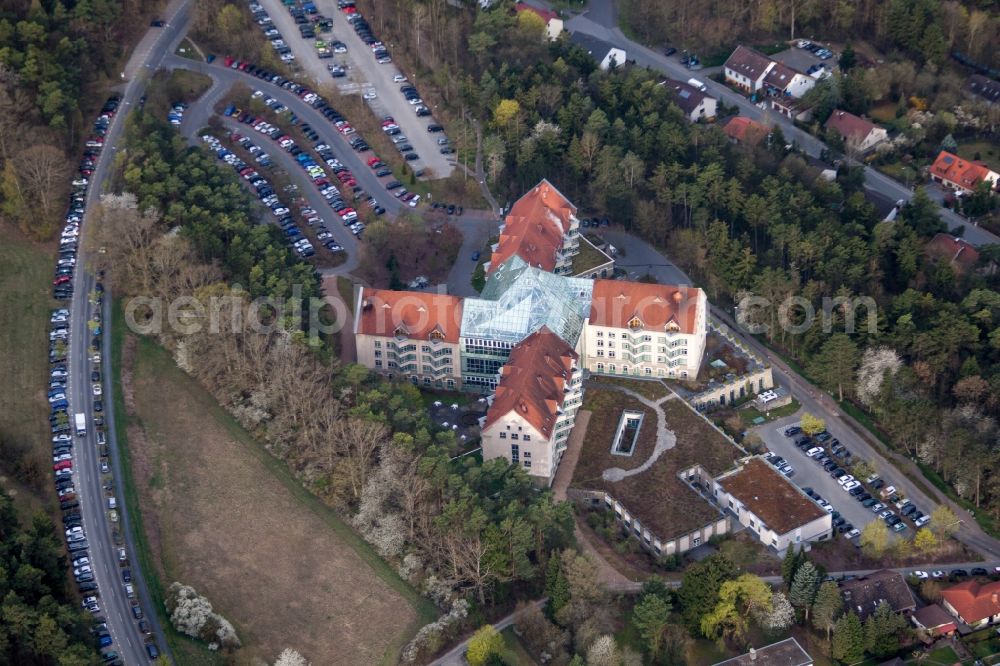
{"points": [[115, 606]]}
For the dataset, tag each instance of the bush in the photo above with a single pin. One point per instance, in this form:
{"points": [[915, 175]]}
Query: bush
{"points": [[192, 615]]}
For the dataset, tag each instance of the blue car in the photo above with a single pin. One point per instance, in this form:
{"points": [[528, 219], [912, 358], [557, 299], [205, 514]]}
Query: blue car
{"points": [[105, 641]]}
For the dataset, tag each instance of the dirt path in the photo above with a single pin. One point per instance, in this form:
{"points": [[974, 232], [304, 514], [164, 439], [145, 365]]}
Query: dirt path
{"points": [[608, 574], [348, 350]]}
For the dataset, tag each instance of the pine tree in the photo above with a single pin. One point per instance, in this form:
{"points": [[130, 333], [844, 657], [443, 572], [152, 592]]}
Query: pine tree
{"points": [[848, 639], [556, 586], [650, 617], [789, 565], [802, 591], [827, 607], [882, 631]]}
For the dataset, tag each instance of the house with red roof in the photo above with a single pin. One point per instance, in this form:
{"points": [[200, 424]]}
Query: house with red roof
{"points": [[960, 175], [534, 406], [553, 24], [960, 254], [859, 135], [973, 603], [741, 129], [933, 621]]}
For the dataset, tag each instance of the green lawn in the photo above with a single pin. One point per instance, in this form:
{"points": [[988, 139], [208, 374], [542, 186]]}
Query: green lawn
{"points": [[25, 306], [187, 50], [988, 151], [943, 656], [588, 258]]}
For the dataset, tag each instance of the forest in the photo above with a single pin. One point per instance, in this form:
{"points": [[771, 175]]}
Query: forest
{"points": [[53, 56], [39, 621]]}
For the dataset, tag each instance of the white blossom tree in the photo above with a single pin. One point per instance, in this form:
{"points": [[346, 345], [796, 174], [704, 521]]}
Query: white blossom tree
{"points": [[875, 363], [779, 616], [290, 657]]}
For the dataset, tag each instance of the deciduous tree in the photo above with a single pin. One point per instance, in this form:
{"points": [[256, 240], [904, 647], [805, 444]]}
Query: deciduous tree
{"points": [[875, 538], [485, 644]]}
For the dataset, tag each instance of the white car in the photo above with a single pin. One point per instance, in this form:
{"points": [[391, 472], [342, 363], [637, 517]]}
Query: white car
{"points": [[97, 389], [923, 520], [852, 534], [851, 485], [370, 94], [814, 450], [844, 480], [61, 457], [922, 575], [938, 574], [399, 78]]}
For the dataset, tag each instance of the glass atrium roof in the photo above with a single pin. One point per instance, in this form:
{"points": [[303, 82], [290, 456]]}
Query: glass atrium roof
{"points": [[519, 299]]}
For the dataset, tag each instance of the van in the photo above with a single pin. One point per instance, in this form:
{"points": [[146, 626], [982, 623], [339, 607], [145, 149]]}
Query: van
{"points": [[697, 85], [112, 503]]}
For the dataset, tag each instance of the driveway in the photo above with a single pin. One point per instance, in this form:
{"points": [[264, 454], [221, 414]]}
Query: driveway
{"points": [[367, 74], [808, 474]]}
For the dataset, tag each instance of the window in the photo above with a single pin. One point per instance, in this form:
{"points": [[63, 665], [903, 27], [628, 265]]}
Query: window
{"points": [[600, 334], [378, 364], [527, 454], [378, 344], [425, 349], [378, 354], [527, 463], [600, 367], [515, 453], [513, 435], [503, 435], [649, 372], [611, 354], [611, 344], [527, 438], [600, 353], [611, 335], [600, 343], [611, 367]]}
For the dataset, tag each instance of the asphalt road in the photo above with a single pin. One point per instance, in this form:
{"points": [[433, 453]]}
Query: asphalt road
{"points": [[115, 606], [600, 20]]}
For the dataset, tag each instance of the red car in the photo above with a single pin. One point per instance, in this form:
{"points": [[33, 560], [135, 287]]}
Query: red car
{"points": [[228, 62], [374, 161], [62, 279], [63, 464]]}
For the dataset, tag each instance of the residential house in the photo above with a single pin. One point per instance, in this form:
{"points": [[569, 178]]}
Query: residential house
{"points": [[741, 129], [533, 409], [606, 55], [860, 135], [793, 108], [553, 24], [973, 603], [984, 88], [960, 175], [746, 69], [783, 653], [933, 621], [776, 510], [783, 81], [863, 595], [695, 104], [647, 330], [409, 334], [960, 254]]}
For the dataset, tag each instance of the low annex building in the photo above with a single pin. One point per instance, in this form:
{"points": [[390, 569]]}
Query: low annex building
{"points": [[783, 653], [775, 509], [743, 130], [972, 603], [960, 175], [533, 409], [863, 595], [934, 621]]}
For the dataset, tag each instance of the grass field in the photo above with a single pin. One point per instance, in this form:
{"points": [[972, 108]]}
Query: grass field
{"points": [[219, 513], [25, 304]]}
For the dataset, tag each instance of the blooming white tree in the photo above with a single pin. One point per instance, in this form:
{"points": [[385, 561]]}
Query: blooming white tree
{"points": [[192, 614], [603, 652], [875, 363], [290, 657], [779, 616]]}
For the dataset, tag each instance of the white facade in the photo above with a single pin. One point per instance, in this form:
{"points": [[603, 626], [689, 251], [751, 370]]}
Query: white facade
{"points": [[646, 352], [800, 85], [513, 438], [615, 55], [554, 28], [745, 82], [426, 363]]}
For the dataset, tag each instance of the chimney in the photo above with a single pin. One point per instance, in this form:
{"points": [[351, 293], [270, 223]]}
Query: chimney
{"points": [[678, 296]]}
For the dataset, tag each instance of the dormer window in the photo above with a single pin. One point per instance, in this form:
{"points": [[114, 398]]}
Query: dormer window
{"points": [[672, 326], [634, 323], [401, 332], [436, 335]]}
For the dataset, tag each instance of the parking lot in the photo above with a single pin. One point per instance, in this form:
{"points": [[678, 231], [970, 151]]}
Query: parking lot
{"points": [[802, 59], [808, 474], [363, 74]]}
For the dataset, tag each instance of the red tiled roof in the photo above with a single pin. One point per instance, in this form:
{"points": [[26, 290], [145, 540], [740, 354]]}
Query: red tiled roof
{"points": [[534, 228], [532, 381], [849, 125], [546, 14], [746, 130], [417, 315], [767, 494], [615, 303], [953, 168], [748, 62], [973, 601], [956, 251]]}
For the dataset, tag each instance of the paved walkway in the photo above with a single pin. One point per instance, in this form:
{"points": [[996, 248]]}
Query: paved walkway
{"points": [[665, 438]]}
